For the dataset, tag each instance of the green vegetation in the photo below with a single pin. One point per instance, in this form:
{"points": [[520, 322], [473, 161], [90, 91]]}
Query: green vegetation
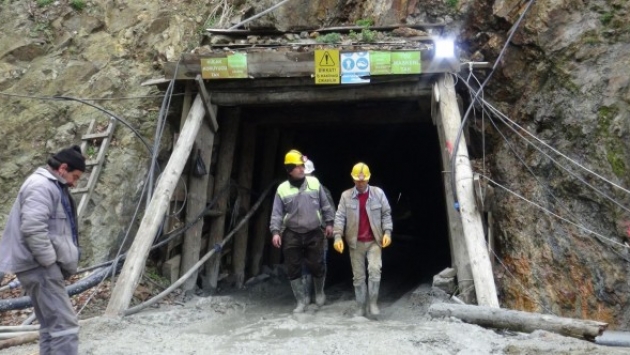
{"points": [[332, 37], [90, 152], [365, 23], [606, 17], [77, 4], [452, 3], [366, 35], [614, 149], [42, 3]]}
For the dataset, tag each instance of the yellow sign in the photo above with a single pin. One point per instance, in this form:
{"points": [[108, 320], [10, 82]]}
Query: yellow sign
{"points": [[229, 67], [327, 66]]}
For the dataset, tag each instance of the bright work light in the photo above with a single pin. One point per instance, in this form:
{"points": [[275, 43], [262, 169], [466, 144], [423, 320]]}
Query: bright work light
{"points": [[444, 48]]}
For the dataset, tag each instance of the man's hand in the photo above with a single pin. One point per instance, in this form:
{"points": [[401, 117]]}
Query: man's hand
{"points": [[387, 240], [338, 245], [276, 241], [329, 231]]}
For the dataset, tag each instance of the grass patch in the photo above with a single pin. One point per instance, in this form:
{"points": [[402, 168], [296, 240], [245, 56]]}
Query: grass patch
{"points": [[42, 3], [606, 17], [77, 4], [332, 37], [452, 3]]}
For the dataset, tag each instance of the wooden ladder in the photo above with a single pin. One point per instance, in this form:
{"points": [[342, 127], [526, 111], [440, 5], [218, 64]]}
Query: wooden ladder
{"points": [[93, 165]]}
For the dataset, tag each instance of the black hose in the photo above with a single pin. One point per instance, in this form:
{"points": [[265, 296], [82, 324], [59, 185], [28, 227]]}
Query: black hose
{"points": [[10, 304]]}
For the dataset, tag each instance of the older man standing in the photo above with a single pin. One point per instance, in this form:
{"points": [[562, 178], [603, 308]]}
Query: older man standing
{"points": [[40, 245], [364, 219]]}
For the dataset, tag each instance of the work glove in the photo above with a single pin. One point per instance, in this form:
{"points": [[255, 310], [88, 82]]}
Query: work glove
{"points": [[338, 245], [387, 240]]}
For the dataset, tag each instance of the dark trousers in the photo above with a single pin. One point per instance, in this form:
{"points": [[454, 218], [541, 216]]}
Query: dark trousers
{"points": [[303, 249], [59, 327]]}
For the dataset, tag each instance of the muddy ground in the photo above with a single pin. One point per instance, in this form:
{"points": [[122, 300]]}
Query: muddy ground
{"points": [[258, 320]]}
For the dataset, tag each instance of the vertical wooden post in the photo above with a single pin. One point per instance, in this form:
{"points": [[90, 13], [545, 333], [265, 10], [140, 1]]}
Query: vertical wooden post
{"points": [[286, 143], [459, 254], [485, 288], [195, 203], [229, 133], [154, 215], [245, 176], [261, 227]]}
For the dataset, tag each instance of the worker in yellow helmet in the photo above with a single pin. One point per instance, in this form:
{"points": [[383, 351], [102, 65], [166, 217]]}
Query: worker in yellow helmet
{"points": [[364, 219], [299, 206]]}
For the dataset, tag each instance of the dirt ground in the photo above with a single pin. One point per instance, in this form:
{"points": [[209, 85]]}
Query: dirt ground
{"points": [[258, 320]]}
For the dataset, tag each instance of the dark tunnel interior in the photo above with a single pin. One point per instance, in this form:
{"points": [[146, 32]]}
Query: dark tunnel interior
{"points": [[404, 159]]}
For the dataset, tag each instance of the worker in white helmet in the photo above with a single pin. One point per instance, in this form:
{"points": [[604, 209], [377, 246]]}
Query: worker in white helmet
{"points": [[307, 279]]}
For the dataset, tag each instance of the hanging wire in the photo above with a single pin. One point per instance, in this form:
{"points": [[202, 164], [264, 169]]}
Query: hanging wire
{"points": [[467, 114]]}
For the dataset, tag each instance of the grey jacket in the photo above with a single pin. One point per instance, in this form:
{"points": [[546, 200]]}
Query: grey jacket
{"points": [[347, 217], [300, 209], [38, 232]]}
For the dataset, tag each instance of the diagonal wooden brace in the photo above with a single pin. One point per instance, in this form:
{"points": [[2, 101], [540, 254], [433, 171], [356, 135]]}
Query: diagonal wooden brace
{"points": [[205, 97]]}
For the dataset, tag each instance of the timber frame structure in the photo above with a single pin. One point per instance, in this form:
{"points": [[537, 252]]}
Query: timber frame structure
{"points": [[278, 76]]}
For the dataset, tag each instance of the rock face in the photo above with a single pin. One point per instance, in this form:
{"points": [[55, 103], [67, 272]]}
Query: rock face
{"points": [[564, 79]]}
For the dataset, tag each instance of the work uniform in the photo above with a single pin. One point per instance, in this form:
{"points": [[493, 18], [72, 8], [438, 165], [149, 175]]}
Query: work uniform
{"points": [[40, 245], [301, 209], [363, 219]]}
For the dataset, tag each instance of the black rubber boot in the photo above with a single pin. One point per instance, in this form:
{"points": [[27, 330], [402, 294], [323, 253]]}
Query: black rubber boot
{"points": [[373, 290], [298, 292], [360, 292]]}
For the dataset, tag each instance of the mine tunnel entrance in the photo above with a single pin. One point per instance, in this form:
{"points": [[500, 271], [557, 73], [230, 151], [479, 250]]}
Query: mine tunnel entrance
{"points": [[400, 144]]}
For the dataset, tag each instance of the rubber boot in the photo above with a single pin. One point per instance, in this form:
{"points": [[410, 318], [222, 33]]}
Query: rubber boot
{"points": [[373, 290], [298, 292], [307, 281], [360, 292], [320, 297]]}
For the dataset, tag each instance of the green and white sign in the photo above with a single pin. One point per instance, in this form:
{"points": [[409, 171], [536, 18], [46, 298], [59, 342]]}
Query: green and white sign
{"points": [[233, 66], [397, 62], [406, 62]]}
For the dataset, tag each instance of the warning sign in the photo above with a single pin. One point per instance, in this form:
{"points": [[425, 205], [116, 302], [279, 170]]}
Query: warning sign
{"points": [[327, 66]]}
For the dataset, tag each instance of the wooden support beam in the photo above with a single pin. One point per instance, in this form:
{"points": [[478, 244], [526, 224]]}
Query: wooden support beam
{"points": [[261, 227], [485, 288], [273, 64], [519, 321], [229, 133], [459, 254], [245, 178], [210, 109], [329, 94], [154, 214], [195, 204]]}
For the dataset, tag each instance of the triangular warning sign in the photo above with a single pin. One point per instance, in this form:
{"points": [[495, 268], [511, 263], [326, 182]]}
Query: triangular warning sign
{"points": [[327, 60]]}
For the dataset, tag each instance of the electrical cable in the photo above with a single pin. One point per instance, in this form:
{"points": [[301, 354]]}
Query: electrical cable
{"points": [[54, 98], [466, 115]]}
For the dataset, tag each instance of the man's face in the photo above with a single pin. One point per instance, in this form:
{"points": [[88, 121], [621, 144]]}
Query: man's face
{"points": [[297, 172], [71, 177], [361, 185]]}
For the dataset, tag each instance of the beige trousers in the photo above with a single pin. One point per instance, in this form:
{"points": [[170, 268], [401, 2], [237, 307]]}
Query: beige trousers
{"points": [[370, 251]]}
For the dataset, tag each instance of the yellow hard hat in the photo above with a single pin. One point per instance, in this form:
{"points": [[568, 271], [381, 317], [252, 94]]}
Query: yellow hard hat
{"points": [[360, 172], [294, 157]]}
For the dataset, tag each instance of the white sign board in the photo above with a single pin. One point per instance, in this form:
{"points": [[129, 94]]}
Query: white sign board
{"points": [[355, 67]]}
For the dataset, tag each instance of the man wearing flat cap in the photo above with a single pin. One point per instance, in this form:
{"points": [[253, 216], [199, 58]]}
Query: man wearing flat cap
{"points": [[40, 244]]}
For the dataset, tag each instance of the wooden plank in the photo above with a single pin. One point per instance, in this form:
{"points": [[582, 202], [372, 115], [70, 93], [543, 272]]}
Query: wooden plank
{"points": [[340, 29], [210, 109], [229, 133], [99, 135], [459, 254], [154, 214], [196, 203], [245, 178], [261, 226], [481, 267], [519, 321], [286, 64], [330, 94]]}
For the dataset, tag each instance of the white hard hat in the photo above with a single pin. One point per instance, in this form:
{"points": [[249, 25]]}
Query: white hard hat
{"points": [[309, 167]]}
